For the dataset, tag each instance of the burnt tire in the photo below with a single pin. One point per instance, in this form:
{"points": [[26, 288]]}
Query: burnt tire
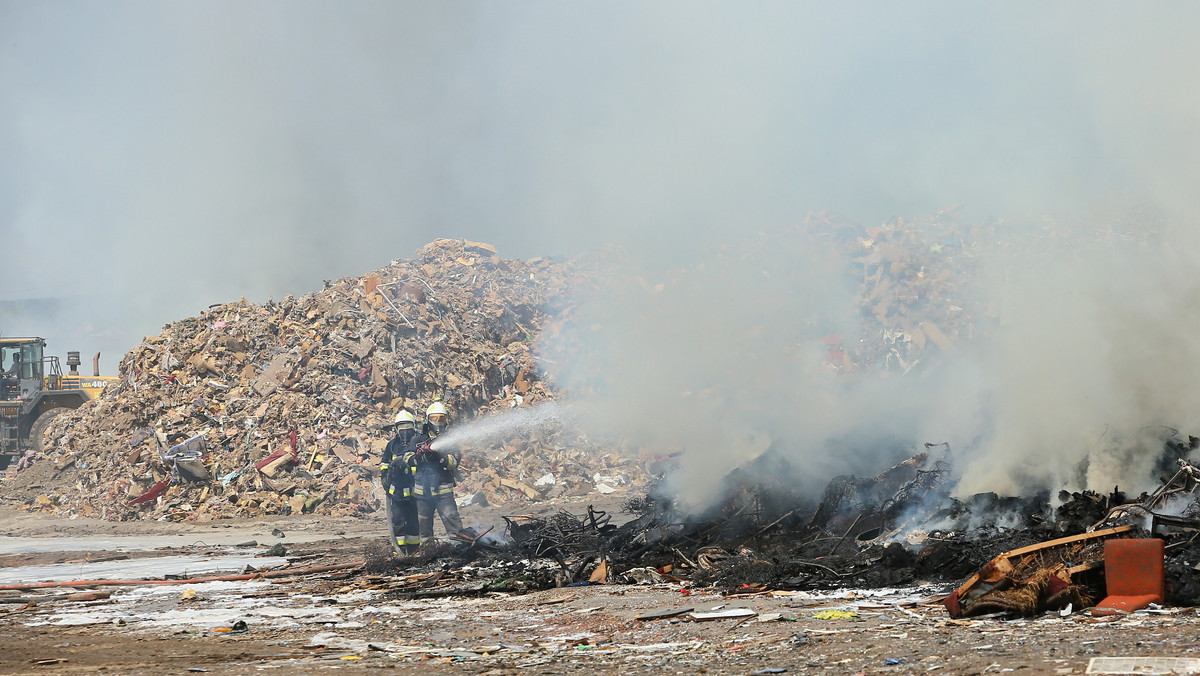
{"points": [[37, 433]]}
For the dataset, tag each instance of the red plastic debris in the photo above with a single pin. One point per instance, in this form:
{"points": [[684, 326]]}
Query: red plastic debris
{"points": [[155, 491], [1133, 575]]}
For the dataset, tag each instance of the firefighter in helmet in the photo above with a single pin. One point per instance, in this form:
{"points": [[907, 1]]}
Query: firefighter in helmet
{"points": [[398, 483], [434, 474]]}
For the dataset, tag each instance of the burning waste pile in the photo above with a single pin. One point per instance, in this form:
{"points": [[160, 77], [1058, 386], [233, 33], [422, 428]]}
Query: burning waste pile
{"points": [[1019, 556], [280, 408]]}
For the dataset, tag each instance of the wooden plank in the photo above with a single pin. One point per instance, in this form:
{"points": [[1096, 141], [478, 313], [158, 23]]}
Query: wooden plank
{"points": [[1067, 540], [517, 485]]}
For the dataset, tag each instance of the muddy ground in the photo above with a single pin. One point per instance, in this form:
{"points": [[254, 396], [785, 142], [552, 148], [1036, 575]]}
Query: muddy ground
{"points": [[356, 622]]}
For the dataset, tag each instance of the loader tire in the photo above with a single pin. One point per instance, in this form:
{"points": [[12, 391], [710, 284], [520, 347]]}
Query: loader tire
{"points": [[37, 433]]}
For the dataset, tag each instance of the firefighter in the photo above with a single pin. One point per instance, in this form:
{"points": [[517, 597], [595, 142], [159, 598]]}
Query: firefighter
{"points": [[398, 484], [434, 474]]}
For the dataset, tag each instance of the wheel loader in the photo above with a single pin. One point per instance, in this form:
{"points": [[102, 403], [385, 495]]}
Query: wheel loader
{"points": [[33, 390]]}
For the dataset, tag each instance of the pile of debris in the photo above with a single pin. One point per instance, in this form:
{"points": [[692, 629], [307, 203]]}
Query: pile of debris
{"points": [[915, 288], [253, 409], [549, 463], [898, 528], [280, 408], [920, 283]]}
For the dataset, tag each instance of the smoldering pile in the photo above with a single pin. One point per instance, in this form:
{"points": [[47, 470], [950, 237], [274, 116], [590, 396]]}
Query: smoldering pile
{"points": [[280, 408], [900, 527]]}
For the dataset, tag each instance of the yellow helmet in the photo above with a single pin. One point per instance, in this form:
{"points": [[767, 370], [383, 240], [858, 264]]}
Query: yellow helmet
{"points": [[437, 417]]}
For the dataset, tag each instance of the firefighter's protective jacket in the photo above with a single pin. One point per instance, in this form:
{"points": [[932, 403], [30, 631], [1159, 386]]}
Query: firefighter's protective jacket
{"points": [[433, 471], [396, 474]]}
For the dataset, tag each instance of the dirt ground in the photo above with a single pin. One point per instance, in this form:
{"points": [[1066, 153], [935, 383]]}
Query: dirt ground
{"points": [[356, 622]]}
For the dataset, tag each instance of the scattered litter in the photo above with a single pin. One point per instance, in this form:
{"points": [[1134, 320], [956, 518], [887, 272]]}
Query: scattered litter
{"points": [[835, 615], [643, 576], [724, 614], [663, 613], [1144, 665], [238, 627]]}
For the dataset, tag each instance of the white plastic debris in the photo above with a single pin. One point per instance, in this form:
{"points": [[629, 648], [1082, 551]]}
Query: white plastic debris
{"points": [[724, 614], [1144, 665], [616, 479], [644, 576]]}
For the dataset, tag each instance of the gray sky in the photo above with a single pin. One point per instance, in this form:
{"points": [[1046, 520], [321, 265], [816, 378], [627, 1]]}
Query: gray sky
{"points": [[157, 157]]}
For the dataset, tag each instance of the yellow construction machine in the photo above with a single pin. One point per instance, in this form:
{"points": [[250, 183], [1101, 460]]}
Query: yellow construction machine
{"points": [[33, 390]]}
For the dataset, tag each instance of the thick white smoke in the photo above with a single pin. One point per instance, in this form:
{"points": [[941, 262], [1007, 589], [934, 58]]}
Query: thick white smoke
{"points": [[159, 157], [1072, 353]]}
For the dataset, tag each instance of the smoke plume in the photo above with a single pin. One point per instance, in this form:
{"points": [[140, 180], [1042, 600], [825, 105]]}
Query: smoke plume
{"points": [[159, 157]]}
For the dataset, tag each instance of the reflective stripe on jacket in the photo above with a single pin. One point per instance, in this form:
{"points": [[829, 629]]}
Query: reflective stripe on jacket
{"points": [[433, 473]]}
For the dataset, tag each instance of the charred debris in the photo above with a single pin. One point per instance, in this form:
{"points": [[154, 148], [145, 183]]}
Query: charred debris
{"points": [[901, 527]]}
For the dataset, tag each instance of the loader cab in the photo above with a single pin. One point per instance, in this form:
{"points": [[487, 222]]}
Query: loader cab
{"points": [[21, 367]]}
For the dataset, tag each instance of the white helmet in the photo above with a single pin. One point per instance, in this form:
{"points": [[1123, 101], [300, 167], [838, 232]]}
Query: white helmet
{"points": [[405, 420], [436, 407]]}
